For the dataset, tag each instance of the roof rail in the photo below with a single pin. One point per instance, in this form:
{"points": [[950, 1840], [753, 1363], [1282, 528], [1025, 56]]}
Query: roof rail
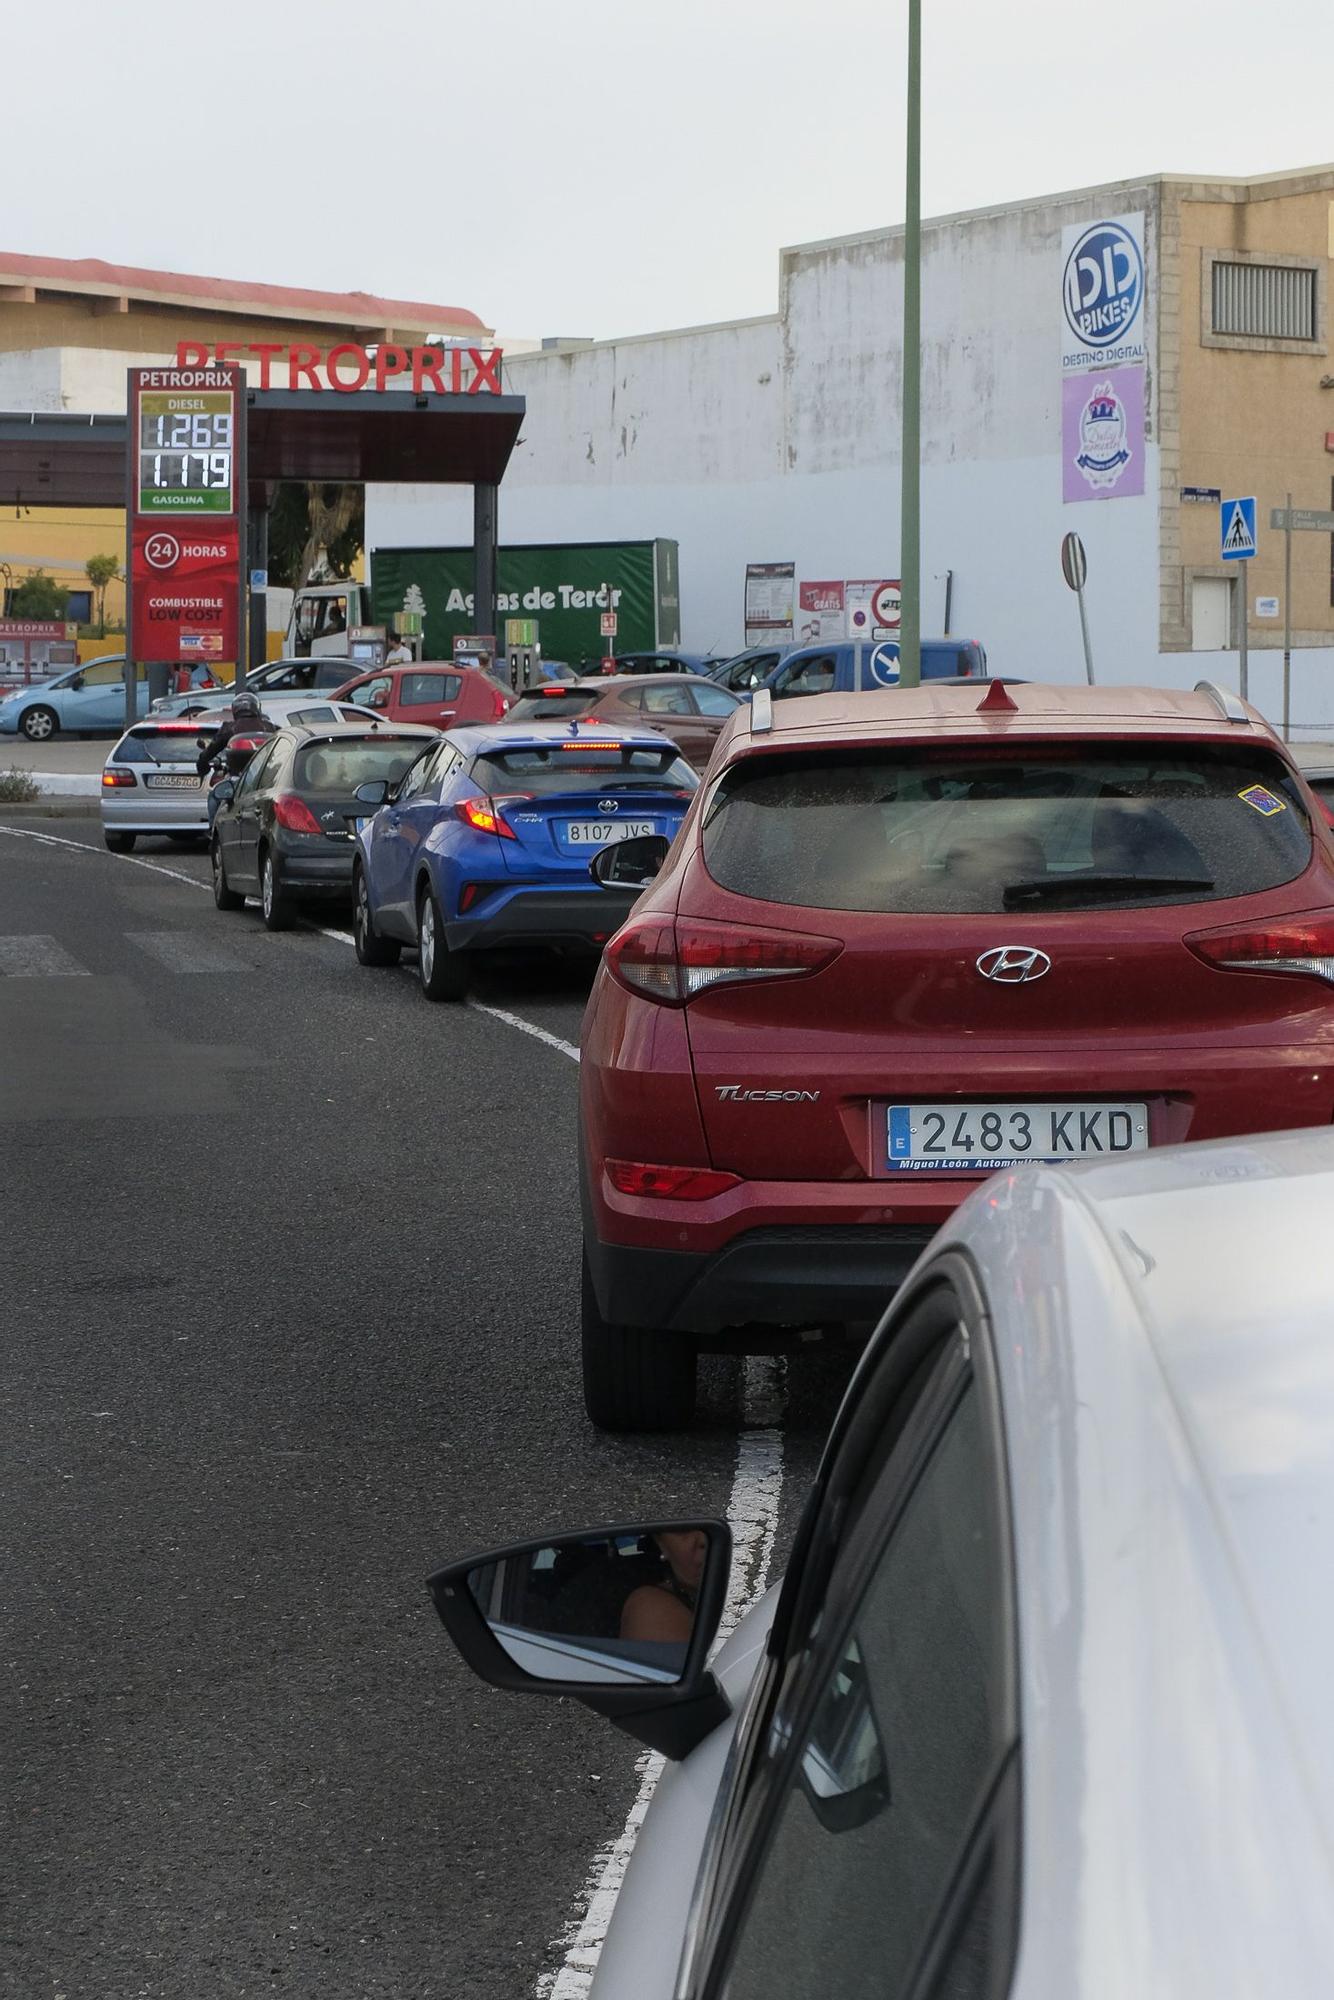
{"points": [[761, 712], [1227, 703]]}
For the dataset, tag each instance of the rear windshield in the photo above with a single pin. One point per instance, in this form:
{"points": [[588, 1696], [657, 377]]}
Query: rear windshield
{"points": [[584, 767], [1020, 831], [550, 707], [177, 746], [333, 769]]}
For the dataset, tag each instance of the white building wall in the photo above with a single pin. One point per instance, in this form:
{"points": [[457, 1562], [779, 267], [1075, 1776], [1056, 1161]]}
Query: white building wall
{"points": [[776, 440]]}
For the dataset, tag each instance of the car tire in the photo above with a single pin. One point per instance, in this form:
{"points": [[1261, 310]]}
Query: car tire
{"points": [[120, 843], [276, 905], [223, 897], [39, 725], [372, 949], [443, 973], [635, 1379]]}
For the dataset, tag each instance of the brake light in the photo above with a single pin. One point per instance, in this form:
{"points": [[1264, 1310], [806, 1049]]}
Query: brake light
{"points": [[668, 1183], [484, 816], [294, 814], [1302, 944], [113, 779], [675, 962]]}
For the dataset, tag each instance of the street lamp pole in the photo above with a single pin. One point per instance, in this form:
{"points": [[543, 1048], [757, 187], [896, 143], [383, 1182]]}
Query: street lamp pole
{"points": [[910, 509]]}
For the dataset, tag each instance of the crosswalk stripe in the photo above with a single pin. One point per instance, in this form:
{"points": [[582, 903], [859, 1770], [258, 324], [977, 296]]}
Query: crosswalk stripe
{"points": [[37, 958], [187, 951]]}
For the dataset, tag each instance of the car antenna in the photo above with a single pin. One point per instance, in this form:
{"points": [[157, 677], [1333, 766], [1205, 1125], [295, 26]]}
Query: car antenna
{"points": [[997, 698]]}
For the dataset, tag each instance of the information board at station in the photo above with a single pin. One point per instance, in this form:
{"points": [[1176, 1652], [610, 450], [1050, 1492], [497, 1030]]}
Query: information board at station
{"points": [[186, 482]]}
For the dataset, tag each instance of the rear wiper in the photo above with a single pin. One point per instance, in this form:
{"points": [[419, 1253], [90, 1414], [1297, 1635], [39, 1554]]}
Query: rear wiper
{"points": [[1052, 887]]}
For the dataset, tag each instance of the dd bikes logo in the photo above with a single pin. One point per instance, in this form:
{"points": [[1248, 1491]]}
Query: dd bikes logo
{"points": [[162, 551], [1104, 452], [1104, 285]]}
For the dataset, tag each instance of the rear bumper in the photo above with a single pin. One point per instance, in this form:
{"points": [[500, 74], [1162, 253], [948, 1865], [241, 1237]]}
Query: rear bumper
{"points": [[581, 918], [763, 1280], [316, 872], [185, 812]]}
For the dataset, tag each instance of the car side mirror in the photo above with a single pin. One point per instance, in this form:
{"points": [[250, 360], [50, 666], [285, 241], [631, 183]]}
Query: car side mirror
{"points": [[373, 793], [619, 1618], [630, 864], [77, 682], [380, 699], [224, 791]]}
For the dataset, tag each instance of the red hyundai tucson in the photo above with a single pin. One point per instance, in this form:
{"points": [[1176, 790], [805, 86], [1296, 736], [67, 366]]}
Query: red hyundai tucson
{"points": [[905, 940]]}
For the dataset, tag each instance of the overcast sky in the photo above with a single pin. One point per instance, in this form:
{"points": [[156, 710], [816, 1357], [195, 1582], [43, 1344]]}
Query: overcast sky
{"points": [[608, 166]]}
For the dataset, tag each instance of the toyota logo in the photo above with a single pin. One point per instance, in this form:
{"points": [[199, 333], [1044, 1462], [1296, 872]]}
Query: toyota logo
{"points": [[609, 805], [1013, 964]]}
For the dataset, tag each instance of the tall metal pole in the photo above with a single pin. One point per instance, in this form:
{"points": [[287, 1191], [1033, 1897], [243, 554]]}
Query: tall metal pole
{"points": [[1243, 636], [1287, 617], [1084, 629], [910, 529]]}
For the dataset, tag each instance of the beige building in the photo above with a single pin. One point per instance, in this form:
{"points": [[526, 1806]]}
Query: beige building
{"points": [[1245, 398]]}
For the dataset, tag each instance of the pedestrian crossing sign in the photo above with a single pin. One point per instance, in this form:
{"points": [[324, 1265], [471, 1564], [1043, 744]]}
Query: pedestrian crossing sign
{"points": [[1237, 529]]}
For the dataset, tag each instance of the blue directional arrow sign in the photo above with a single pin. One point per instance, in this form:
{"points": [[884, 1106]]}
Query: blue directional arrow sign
{"points": [[1236, 528], [884, 665]]}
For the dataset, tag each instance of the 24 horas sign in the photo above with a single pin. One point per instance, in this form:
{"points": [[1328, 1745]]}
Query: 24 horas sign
{"points": [[348, 367]]}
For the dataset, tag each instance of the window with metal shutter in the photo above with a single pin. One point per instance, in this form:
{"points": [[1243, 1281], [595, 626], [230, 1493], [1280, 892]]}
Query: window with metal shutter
{"points": [[1265, 301]]}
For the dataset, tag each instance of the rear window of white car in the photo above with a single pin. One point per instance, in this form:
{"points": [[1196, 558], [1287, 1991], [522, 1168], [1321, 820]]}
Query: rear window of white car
{"points": [[991, 832], [175, 746]]}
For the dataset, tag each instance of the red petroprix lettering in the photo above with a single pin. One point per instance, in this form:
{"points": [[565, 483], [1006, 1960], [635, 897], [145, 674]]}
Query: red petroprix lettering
{"points": [[349, 366]]}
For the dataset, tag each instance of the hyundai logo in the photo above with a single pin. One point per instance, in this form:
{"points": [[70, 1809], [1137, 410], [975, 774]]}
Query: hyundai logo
{"points": [[609, 805], [1013, 964]]}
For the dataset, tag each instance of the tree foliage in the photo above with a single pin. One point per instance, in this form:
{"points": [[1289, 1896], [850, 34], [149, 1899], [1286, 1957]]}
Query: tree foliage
{"points": [[100, 571], [38, 596], [310, 515]]}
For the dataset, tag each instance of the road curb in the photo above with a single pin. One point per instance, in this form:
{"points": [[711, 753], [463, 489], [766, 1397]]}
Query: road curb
{"points": [[54, 808]]}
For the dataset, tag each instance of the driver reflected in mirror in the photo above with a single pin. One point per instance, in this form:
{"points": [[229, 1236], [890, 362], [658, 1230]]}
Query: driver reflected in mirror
{"points": [[665, 1609], [607, 1609]]}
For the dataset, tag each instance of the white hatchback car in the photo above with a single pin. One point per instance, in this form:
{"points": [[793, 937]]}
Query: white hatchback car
{"points": [[1042, 1707]]}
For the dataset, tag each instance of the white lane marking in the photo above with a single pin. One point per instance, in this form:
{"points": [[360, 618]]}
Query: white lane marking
{"points": [[86, 847], [752, 1515], [526, 1027], [37, 957]]}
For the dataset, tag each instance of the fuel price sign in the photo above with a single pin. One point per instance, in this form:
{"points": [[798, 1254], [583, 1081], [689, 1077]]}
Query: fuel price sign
{"points": [[186, 451]]}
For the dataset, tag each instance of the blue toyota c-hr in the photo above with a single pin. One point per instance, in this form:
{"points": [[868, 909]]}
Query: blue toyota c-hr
{"points": [[487, 839]]}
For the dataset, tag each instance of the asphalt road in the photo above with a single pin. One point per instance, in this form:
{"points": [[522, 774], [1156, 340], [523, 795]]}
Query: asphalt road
{"points": [[289, 1259]]}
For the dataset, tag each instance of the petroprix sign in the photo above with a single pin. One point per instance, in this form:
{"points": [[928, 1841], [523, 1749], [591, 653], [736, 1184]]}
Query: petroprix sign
{"points": [[348, 367], [184, 592]]}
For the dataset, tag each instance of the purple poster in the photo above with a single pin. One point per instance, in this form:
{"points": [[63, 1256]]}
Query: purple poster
{"points": [[1102, 434]]}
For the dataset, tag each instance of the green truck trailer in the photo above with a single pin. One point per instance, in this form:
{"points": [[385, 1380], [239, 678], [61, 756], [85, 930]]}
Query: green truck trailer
{"points": [[564, 586]]}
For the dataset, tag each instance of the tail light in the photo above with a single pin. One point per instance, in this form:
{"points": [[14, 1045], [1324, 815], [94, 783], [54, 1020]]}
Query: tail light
{"points": [[675, 962], [295, 814], [484, 816], [668, 1183], [1303, 944], [113, 780]]}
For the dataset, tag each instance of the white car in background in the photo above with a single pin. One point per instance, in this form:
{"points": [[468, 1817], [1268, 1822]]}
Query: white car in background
{"points": [[1042, 1707]]}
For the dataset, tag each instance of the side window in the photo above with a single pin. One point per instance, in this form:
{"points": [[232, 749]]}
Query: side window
{"points": [[909, 1732], [257, 768], [421, 690], [323, 712], [813, 675], [420, 776], [713, 700], [104, 673], [667, 701], [330, 674]]}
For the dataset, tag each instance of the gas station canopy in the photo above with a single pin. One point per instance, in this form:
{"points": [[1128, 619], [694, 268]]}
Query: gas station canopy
{"points": [[65, 460]]}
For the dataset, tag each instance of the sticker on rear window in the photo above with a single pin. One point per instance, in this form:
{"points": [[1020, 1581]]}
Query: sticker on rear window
{"points": [[1260, 799]]}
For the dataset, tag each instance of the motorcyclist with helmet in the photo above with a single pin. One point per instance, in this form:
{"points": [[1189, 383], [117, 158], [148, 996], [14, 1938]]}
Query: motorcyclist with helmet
{"points": [[244, 718]]}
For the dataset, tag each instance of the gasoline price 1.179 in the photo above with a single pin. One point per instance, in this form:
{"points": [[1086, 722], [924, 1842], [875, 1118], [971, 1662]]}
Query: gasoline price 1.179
{"points": [[186, 453]]}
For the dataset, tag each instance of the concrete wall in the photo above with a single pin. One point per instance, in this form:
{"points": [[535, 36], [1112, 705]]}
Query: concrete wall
{"points": [[778, 439]]}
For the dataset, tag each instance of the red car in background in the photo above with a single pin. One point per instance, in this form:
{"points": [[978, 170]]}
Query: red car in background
{"points": [[905, 940], [434, 692]]}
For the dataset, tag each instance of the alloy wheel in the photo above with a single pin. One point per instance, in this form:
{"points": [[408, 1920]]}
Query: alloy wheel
{"points": [[426, 938]]}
